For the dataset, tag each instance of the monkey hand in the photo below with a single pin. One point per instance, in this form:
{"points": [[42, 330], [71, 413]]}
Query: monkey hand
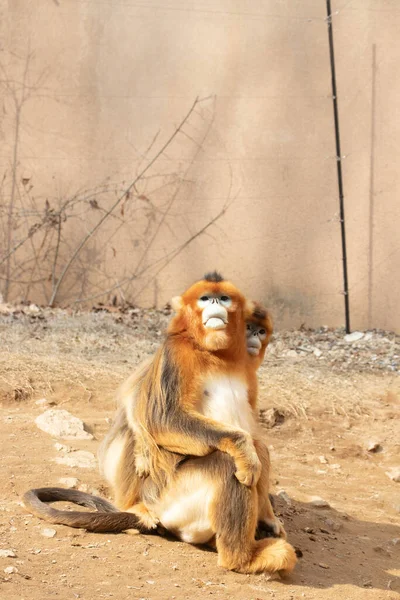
{"points": [[279, 529], [142, 465], [248, 468], [271, 528]]}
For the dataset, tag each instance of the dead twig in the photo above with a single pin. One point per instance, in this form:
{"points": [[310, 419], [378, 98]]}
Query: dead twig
{"points": [[119, 200]]}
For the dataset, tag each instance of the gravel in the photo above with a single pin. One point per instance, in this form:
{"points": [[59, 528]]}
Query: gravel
{"points": [[374, 349]]}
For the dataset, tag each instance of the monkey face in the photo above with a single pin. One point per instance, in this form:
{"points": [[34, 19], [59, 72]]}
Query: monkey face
{"points": [[258, 332], [212, 311], [256, 337]]}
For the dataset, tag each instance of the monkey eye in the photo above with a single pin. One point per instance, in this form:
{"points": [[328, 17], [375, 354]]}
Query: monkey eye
{"points": [[248, 327], [262, 334], [204, 298], [225, 301]]}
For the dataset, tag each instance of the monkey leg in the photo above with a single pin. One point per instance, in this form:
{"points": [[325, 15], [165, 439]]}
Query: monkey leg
{"points": [[205, 501], [234, 517], [127, 483], [117, 464], [128, 486], [118, 439], [268, 524], [195, 435]]}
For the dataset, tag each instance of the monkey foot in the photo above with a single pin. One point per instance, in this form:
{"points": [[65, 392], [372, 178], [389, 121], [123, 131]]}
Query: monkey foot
{"points": [[270, 528], [147, 519]]}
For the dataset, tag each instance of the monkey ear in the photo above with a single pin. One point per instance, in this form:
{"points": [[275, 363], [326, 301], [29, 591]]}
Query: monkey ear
{"points": [[249, 308], [176, 303]]}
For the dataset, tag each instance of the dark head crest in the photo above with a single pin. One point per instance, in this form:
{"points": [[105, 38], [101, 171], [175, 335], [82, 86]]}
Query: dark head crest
{"points": [[213, 277], [259, 313]]}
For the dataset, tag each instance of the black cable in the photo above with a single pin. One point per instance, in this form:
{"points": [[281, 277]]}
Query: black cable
{"points": [[339, 167]]}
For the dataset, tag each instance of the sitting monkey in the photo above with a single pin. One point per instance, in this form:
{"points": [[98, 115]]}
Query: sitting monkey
{"points": [[259, 329], [192, 407]]}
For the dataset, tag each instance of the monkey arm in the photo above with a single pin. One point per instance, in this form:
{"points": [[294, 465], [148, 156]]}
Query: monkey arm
{"points": [[163, 412], [191, 433]]}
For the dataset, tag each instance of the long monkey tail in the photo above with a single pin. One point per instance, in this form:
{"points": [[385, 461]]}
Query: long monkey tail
{"points": [[107, 518]]}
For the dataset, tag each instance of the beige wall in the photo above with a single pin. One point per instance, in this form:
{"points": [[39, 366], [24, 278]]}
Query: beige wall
{"points": [[108, 81]]}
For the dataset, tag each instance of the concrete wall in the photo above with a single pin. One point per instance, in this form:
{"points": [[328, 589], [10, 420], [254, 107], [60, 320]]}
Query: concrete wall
{"points": [[91, 91]]}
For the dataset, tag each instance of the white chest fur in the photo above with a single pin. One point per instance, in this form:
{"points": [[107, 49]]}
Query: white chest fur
{"points": [[225, 400]]}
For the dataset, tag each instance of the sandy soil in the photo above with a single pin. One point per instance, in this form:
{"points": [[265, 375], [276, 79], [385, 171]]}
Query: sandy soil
{"points": [[350, 550]]}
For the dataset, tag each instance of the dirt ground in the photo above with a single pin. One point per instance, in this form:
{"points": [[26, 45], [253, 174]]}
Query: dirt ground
{"points": [[333, 401]]}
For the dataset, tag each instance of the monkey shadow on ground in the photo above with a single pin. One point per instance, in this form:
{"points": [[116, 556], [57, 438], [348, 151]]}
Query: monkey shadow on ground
{"points": [[337, 549]]}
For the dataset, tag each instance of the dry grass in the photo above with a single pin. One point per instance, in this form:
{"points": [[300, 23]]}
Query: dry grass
{"points": [[71, 350], [307, 392], [83, 353]]}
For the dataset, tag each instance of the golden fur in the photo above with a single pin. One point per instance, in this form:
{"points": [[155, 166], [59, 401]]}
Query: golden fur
{"points": [[184, 452]]}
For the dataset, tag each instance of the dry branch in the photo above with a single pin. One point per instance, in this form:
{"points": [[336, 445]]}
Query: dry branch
{"points": [[119, 200]]}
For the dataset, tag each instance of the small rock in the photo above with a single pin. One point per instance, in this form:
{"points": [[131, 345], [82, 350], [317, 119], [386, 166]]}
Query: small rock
{"points": [[60, 423], [47, 532], [353, 337], [9, 570], [292, 354], [88, 489], [62, 447], [380, 550], [271, 417], [309, 530], [323, 565], [6, 309], [69, 482], [394, 474], [334, 525], [80, 458], [395, 541], [323, 460], [8, 553], [319, 502], [41, 402], [282, 494], [317, 352], [374, 446], [32, 309]]}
